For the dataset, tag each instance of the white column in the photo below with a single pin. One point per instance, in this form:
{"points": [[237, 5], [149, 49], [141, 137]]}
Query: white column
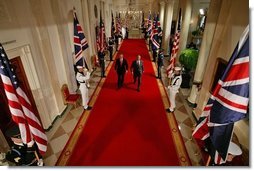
{"points": [[162, 12], [186, 6], [87, 29], [167, 25], [207, 39]]}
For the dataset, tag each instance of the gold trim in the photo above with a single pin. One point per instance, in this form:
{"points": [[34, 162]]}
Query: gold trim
{"points": [[183, 157]]}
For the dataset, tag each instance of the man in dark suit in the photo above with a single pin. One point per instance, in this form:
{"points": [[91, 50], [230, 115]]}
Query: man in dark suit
{"points": [[160, 63], [137, 69], [121, 68], [110, 48], [101, 56], [116, 40]]}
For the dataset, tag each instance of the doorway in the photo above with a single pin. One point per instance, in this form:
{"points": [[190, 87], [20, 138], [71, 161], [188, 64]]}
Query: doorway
{"points": [[5, 116]]}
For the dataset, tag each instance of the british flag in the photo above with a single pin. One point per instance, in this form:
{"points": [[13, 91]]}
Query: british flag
{"points": [[175, 47], [80, 42], [149, 25], [20, 107], [229, 103], [154, 35]]}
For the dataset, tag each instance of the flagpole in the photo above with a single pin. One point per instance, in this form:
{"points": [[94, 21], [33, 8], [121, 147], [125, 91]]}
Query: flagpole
{"points": [[208, 161]]}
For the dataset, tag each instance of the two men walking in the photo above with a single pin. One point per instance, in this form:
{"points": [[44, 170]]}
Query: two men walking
{"points": [[137, 69]]}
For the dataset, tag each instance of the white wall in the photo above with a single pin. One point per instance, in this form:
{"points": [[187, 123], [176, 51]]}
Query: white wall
{"points": [[43, 34]]}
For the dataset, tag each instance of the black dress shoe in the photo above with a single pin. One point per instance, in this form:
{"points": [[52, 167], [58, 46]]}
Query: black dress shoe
{"points": [[169, 111], [88, 108]]}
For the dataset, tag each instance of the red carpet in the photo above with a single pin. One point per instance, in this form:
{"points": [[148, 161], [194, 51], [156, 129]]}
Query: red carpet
{"points": [[126, 127]]}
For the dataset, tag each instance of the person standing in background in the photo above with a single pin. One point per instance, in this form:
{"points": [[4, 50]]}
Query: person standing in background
{"points": [[127, 33], [101, 56], [160, 63], [116, 41], [110, 48]]}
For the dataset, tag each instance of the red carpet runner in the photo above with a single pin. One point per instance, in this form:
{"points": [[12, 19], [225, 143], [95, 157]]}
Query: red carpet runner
{"points": [[126, 127]]}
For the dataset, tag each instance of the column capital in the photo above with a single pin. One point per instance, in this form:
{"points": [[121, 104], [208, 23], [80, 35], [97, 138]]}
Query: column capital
{"points": [[162, 2], [168, 1]]}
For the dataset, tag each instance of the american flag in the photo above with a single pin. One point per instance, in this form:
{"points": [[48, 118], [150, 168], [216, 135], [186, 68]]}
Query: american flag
{"points": [[154, 35], [228, 103], [101, 37], [80, 42], [175, 47], [113, 29], [118, 26], [20, 107], [149, 25]]}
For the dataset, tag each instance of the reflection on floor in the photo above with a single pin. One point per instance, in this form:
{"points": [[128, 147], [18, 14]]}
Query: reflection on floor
{"points": [[63, 127]]}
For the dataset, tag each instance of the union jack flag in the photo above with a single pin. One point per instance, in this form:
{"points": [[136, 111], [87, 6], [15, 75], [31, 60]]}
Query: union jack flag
{"points": [[80, 42], [154, 35], [149, 25], [228, 103], [175, 48], [20, 107]]}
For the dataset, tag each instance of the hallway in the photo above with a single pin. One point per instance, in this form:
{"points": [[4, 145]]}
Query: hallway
{"points": [[59, 136]]}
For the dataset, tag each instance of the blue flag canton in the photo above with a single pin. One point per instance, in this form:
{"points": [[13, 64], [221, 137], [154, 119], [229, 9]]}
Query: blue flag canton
{"points": [[6, 69]]}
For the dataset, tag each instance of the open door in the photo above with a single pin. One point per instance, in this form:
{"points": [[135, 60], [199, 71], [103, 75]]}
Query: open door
{"points": [[5, 115]]}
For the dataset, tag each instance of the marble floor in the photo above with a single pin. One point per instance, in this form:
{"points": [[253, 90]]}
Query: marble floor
{"points": [[64, 125]]}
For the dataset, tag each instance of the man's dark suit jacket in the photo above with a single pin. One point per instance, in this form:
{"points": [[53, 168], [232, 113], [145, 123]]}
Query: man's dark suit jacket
{"points": [[137, 69], [121, 69]]}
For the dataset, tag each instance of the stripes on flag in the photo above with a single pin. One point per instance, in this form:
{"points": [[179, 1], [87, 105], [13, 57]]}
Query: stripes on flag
{"points": [[229, 103], [20, 107], [80, 42], [175, 47], [154, 36], [101, 37]]}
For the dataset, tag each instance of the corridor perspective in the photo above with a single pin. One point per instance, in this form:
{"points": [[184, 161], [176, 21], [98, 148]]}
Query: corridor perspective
{"points": [[124, 83]]}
